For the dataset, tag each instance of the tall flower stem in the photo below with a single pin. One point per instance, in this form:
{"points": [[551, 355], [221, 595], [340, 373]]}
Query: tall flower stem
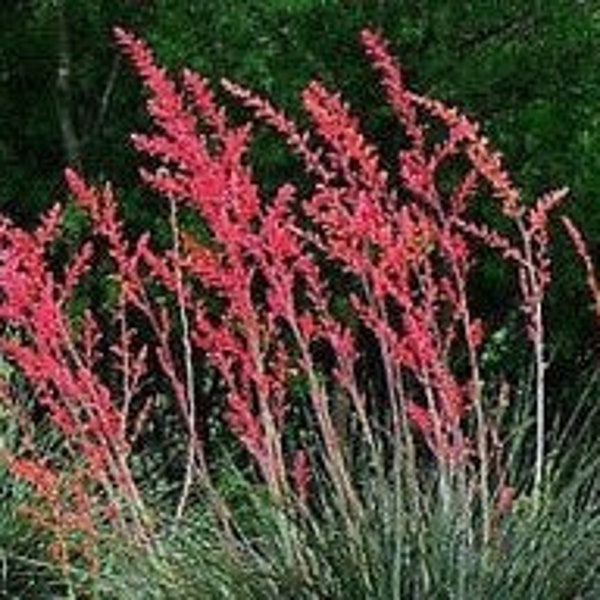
{"points": [[533, 294]]}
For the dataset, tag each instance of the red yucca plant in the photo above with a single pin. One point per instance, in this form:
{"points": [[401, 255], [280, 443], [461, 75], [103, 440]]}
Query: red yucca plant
{"points": [[258, 297]]}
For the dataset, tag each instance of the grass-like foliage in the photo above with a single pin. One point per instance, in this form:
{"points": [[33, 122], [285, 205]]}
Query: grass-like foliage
{"points": [[320, 340], [551, 552]]}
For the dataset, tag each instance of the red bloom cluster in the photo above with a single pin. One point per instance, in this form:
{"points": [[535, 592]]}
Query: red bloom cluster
{"points": [[258, 294]]}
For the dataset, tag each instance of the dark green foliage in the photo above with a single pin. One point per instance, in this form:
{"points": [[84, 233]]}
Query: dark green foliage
{"points": [[100, 102]]}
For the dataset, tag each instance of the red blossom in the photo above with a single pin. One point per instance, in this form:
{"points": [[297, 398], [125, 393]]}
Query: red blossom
{"points": [[43, 478], [360, 271]]}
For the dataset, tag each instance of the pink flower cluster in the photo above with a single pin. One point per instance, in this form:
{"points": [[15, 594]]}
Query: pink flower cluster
{"points": [[257, 295]]}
